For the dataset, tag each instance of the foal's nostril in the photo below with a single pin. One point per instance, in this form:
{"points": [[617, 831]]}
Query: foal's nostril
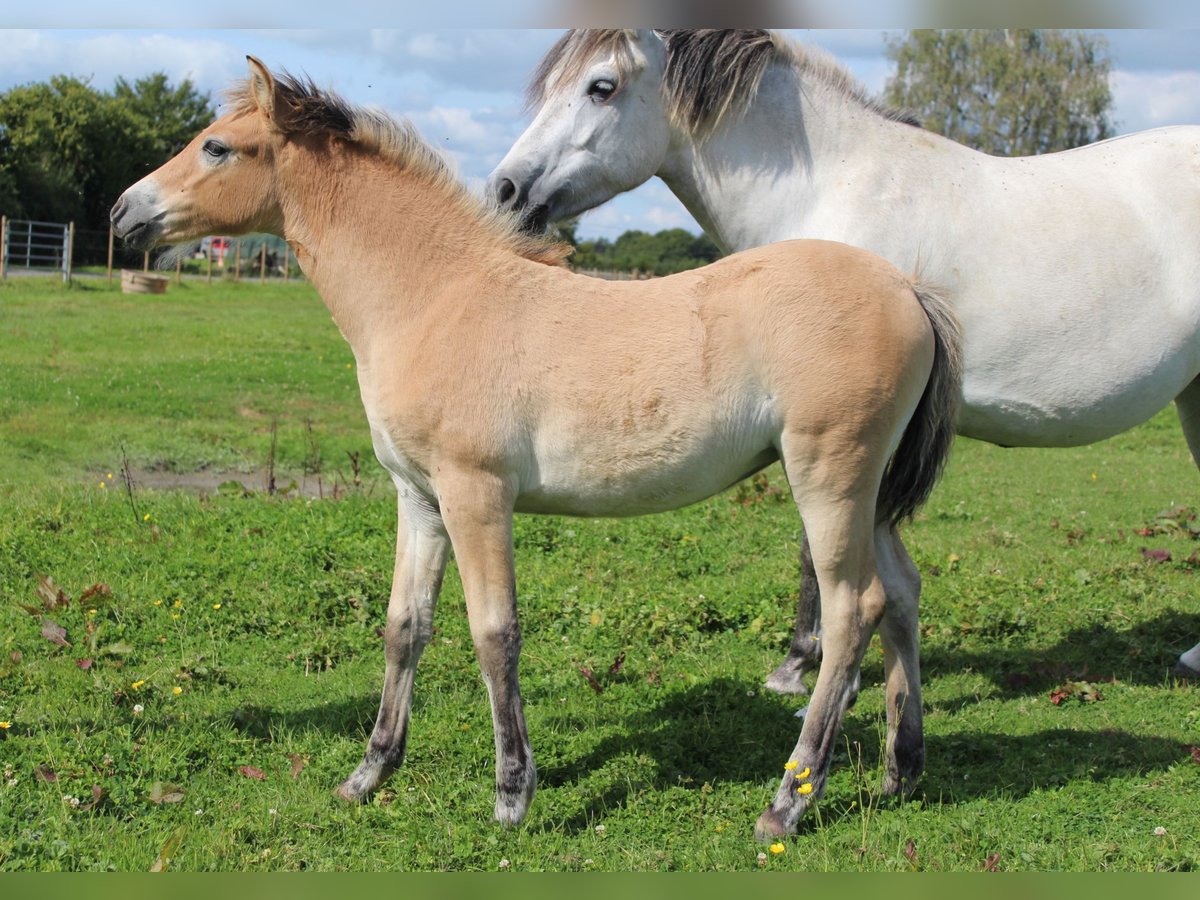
{"points": [[505, 190]]}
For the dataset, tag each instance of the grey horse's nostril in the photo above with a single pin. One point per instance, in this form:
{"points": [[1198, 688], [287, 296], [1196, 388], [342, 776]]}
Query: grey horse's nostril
{"points": [[505, 190], [117, 209]]}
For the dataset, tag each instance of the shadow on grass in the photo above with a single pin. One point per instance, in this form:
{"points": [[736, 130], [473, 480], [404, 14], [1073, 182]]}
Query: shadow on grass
{"points": [[713, 732], [1141, 655]]}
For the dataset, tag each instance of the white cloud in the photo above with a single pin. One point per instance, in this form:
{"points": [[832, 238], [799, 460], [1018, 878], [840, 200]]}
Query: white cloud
{"points": [[1149, 99]]}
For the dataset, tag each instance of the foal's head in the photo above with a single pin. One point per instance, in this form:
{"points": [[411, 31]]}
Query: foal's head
{"points": [[222, 182]]}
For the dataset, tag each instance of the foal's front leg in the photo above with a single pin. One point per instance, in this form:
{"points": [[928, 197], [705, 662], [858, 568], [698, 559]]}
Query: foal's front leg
{"points": [[421, 551], [478, 508]]}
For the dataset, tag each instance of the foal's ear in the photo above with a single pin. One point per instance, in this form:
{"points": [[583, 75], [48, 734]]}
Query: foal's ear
{"points": [[262, 87]]}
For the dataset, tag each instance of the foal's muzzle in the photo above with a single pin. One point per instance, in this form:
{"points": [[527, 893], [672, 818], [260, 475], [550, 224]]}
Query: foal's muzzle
{"points": [[135, 220]]}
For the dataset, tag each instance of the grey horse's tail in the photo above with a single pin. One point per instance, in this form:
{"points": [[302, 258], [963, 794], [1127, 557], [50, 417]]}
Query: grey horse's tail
{"points": [[925, 446]]}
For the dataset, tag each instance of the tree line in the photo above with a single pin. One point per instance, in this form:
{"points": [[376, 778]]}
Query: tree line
{"points": [[67, 149]]}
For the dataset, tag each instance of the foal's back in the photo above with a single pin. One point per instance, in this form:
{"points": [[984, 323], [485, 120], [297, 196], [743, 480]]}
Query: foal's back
{"points": [[641, 396]]}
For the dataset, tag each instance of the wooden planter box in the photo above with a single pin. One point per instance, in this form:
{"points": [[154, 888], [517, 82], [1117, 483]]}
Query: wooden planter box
{"points": [[142, 282]]}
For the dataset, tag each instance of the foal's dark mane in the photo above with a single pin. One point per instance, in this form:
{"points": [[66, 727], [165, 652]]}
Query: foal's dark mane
{"points": [[301, 108], [708, 70]]}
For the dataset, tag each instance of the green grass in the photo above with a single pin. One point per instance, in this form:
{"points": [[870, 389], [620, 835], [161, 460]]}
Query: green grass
{"points": [[1034, 579]]}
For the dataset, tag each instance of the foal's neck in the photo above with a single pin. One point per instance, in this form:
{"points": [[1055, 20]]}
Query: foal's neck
{"points": [[379, 243]]}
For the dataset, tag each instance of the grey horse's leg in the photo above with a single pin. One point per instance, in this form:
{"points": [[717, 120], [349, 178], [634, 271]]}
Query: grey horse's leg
{"points": [[421, 551], [1187, 404], [905, 750], [804, 655]]}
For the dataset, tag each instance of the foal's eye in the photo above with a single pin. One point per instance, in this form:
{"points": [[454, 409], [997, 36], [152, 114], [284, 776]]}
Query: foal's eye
{"points": [[215, 149], [601, 89]]}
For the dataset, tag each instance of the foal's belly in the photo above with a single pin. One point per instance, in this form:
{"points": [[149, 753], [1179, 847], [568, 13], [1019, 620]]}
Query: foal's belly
{"points": [[649, 481]]}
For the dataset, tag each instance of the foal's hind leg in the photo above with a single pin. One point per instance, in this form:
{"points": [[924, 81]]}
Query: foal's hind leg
{"points": [[834, 483], [905, 751], [421, 551], [1188, 406]]}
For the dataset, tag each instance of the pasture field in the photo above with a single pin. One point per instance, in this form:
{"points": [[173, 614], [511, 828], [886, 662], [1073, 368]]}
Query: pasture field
{"points": [[196, 709]]}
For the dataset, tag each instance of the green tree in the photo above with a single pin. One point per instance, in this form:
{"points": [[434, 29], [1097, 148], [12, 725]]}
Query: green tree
{"points": [[170, 116], [67, 150], [1010, 92]]}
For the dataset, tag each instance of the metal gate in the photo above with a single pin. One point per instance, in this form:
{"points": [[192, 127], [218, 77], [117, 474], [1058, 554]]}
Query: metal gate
{"points": [[36, 245]]}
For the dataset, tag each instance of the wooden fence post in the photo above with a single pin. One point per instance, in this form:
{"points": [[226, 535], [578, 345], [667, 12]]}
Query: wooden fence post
{"points": [[3, 248], [287, 263], [262, 269], [179, 270], [237, 263], [70, 251], [208, 256], [146, 261], [110, 253]]}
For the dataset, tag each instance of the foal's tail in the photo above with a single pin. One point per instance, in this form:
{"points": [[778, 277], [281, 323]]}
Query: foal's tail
{"points": [[925, 446]]}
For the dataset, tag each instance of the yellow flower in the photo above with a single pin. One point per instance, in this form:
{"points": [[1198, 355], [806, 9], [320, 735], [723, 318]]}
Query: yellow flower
{"points": [[177, 690], [790, 764], [146, 517], [137, 684], [216, 606], [807, 771], [103, 485], [91, 613], [177, 604], [805, 788], [158, 603], [6, 725], [777, 848]]}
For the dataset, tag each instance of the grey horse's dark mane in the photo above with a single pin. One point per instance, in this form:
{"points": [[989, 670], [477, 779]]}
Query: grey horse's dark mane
{"points": [[708, 71]]}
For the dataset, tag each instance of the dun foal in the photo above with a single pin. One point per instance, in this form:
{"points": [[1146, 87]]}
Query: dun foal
{"points": [[497, 381]]}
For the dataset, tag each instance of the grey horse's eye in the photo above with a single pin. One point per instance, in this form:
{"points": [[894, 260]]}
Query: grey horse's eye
{"points": [[601, 89], [215, 149]]}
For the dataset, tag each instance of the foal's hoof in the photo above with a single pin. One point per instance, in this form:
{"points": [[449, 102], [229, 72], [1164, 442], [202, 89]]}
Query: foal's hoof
{"points": [[770, 827], [357, 788]]}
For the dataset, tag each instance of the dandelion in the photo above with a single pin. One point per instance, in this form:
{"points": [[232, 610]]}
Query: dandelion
{"points": [[5, 725], [146, 517], [1160, 831], [178, 604], [138, 709], [504, 864], [805, 788], [91, 613], [762, 859], [158, 603], [777, 848], [216, 606], [177, 690], [137, 684]]}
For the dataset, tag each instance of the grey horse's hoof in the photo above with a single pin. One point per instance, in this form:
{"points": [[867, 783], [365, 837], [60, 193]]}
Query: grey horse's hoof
{"points": [[1183, 670]]}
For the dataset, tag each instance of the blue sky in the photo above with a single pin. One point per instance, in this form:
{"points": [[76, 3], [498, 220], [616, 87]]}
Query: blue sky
{"points": [[462, 87]]}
